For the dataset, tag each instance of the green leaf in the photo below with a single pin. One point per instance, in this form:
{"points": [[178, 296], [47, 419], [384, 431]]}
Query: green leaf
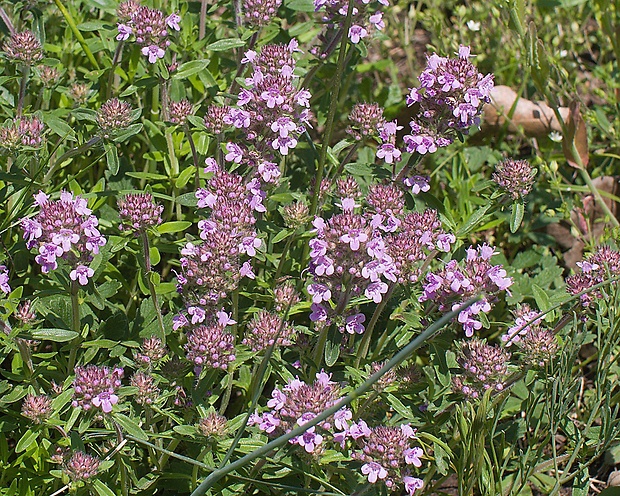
{"points": [[111, 155], [185, 175], [173, 227], [187, 200], [283, 234], [101, 489], [53, 334], [471, 223], [516, 216], [300, 5], [58, 126], [190, 68], [26, 441], [225, 44], [332, 347], [130, 427], [125, 134], [541, 297]]}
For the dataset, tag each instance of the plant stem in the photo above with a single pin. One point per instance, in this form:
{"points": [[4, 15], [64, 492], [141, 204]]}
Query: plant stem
{"points": [[23, 83], [365, 344], [203, 19], [75, 325], [192, 146], [76, 32], [115, 59], [144, 237], [396, 360], [333, 104]]}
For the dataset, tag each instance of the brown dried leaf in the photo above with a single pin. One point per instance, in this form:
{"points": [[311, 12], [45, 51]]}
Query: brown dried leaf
{"points": [[586, 221], [576, 133], [535, 119]]}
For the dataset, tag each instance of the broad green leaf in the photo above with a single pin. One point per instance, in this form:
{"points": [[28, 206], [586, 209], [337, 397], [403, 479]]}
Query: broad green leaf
{"points": [[225, 44], [190, 68], [53, 334], [130, 427], [26, 441], [174, 226], [516, 216], [111, 155], [101, 489]]}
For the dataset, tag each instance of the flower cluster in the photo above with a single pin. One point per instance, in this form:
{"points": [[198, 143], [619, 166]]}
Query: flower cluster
{"points": [[24, 47], [95, 386], [298, 403], [210, 346], [147, 390], [180, 111], [457, 283], [265, 330], [81, 466], [449, 101], [525, 319], [37, 408], [150, 27], [114, 115], [213, 425], [211, 270], [515, 177], [151, 352], [4, 280], [64, 229], [362, 253], [366, 121], [25, 131], [484, 367], [272, 110], [258, 13], [363, 17], [138, 212], [595, 269], [387, 453]]}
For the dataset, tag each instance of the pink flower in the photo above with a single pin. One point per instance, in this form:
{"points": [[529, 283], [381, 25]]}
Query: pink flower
{"points": [[412, 456], [356, 33], [173, 21], [105, 400], [375, 291], [81, 273], [153, 52], [235, 153], [354, 323], [354, 237], [389, 153], [374, 472], [412, 484], [124, 32]]}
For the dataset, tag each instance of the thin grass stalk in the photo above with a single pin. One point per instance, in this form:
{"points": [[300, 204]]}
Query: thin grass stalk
{"points": [[76, 32], [426, 335]]}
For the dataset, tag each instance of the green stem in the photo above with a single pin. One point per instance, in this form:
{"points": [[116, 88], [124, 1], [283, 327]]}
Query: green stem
{"points": [[22, 89], [76, 32], [333, 104], [192, 146], [115, 59], [365, 344], [169, 452], [147, 274], [403, 354], [75, 325]]}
